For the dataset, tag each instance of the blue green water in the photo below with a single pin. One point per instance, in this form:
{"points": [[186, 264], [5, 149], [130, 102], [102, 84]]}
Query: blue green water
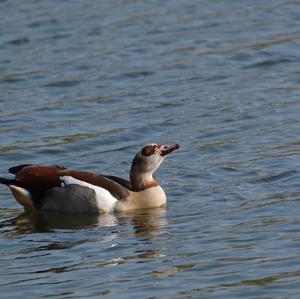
{"points": [[86, 84]]}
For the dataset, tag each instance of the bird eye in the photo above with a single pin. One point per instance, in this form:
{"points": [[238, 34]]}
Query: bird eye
{"points": [[148, 150]]}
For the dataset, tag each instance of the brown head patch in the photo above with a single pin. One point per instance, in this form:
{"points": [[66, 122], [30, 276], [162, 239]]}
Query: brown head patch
{"points": [[148, 150]]}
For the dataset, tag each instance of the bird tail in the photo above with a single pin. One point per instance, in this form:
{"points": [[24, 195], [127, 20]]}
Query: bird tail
{"points": [[7, 182]]}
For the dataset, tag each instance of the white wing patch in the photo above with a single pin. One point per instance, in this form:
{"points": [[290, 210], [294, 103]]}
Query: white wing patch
{"points": [[105, 201]]}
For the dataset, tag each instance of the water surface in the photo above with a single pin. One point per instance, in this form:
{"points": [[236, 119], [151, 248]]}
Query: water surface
{"points": [[87, 84]]}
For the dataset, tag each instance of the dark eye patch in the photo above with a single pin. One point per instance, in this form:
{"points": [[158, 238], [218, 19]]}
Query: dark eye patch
{"points": [[148, 150]]}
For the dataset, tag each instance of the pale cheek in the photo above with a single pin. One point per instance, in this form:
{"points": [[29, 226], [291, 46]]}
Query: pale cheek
{"points": [[156, 162]]}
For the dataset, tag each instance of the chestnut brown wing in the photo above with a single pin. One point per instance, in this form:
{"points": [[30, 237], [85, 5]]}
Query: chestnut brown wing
{"points": [[38, 179]]}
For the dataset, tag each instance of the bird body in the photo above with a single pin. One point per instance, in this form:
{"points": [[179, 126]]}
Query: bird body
{"points": [[60, 189]]}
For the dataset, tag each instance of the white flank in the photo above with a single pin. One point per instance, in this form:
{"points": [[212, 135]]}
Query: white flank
{"points": [[105, 201]]}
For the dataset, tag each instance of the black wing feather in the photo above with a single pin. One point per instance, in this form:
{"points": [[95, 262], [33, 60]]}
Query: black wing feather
{"points": [[16, 169]]}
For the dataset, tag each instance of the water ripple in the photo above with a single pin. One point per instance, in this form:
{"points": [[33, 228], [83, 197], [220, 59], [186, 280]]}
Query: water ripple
{"points": [[88, 88]]}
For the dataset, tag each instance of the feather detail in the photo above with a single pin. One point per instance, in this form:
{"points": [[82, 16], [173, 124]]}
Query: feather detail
{"points": [[105, 201]]}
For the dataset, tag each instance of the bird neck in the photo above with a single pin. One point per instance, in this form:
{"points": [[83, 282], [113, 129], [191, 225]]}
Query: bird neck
{"points": [[141, 181]]}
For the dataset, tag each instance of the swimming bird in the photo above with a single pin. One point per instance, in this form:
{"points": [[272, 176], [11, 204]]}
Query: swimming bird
{"points": [[56, 188]]}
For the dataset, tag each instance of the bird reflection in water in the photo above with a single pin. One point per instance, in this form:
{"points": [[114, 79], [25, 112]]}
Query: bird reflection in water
{"points": [[151, 222], [148, 222]]}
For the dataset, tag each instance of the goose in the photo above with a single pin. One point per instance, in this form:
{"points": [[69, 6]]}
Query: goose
{"points": [[58, 189]]}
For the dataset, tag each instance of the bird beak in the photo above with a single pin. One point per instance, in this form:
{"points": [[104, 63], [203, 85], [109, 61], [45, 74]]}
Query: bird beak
{"points": [[165, 150]]}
